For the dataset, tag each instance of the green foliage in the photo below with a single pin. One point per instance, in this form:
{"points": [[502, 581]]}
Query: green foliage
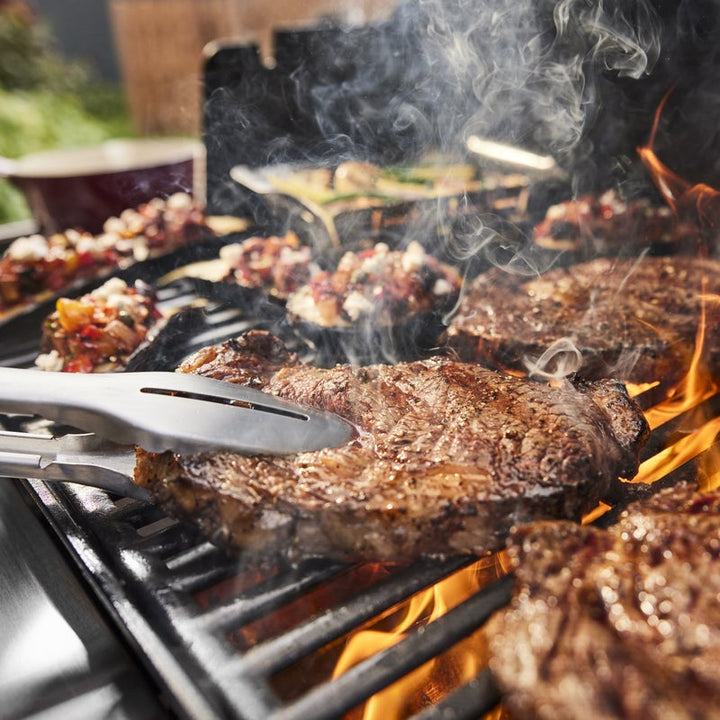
{"points": [[41, 119], [28, 58], [34, 120], [47, 101], [12, 203]]}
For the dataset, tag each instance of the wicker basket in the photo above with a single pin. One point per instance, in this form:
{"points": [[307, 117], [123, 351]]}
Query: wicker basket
{"points": [[160, 44], [160, 47]]}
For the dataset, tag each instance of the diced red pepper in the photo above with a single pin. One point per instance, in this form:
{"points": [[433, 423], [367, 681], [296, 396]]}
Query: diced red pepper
{"points": [[86, 260], [80, 364], [91, 332]]}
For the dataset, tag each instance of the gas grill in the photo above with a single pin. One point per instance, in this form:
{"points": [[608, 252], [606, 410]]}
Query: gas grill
{"points": [[220, 640], [199, 634]]}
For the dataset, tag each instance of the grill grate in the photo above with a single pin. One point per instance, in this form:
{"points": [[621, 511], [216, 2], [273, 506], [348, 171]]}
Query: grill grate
{"points": [[185, 606], [151, 583]]}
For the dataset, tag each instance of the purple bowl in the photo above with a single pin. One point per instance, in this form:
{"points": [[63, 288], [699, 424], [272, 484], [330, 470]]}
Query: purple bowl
{"points": [[81, 188]]}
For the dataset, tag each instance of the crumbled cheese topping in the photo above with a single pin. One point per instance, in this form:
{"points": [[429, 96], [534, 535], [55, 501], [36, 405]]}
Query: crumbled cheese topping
{"points": [[114, 226], [106, 241], [113, 287], [180, 200], [373, 265], [231, 254], [114, 293], [612, 200], [51, 361], [414, 257], [88, 244], [134, 221], [140, 248], [290, 255], [32, 247], [356, 305], [302, 304], [442, 287], [555, 212]]}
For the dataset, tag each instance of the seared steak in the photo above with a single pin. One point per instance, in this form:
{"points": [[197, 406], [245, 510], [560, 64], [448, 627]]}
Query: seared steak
{"points": [[632, 320], [619, 623], [447, 457]]}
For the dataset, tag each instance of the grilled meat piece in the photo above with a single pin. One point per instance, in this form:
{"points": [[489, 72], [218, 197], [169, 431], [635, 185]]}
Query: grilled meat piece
{"points": [[633, 320], [447, 457], [618, 623]]}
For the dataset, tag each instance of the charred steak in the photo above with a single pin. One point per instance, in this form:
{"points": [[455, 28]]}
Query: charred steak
{"points": [[447, 457], [621, 623], [633, 320]]}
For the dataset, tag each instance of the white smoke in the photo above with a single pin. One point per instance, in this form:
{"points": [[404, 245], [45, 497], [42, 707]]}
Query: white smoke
{"points": [[560, 360], [530, 68], [526, 73]]}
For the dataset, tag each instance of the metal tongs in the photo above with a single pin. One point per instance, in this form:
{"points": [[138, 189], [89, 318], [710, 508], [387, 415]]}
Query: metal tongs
{"points": [[156, 410]]}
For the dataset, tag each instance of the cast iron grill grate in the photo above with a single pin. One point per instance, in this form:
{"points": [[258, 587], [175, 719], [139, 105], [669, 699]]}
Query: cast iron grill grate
{"points": [[150, 571]]}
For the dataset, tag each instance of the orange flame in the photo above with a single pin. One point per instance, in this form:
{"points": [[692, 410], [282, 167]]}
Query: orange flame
{"points": [[695, 206], [429, 682], [697, 385], [698, 206], [699, 433]]}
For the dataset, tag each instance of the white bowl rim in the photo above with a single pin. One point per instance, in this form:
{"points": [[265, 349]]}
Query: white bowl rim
{"points": [[112, 156]]}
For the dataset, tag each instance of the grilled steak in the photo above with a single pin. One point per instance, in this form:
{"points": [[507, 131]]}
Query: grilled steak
{"points": [[633, 320], [619, 623], [447, 457]]}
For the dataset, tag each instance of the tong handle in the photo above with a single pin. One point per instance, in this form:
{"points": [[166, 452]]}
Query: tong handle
{"points": [[81, 458], [66, 398]]}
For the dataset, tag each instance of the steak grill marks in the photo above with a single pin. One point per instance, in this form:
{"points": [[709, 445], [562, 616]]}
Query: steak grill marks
{"points": [[446, 458]]}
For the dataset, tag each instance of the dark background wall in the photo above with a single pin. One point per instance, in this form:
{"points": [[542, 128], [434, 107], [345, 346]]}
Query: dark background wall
{"points": [[82, 29]]}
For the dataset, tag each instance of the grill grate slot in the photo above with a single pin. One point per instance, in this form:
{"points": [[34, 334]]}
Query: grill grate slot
{"points": [[200, 568], [264, 598]]}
